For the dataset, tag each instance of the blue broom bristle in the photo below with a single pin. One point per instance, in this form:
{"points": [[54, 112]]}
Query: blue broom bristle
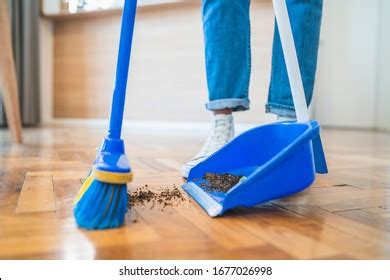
{"points": [[102, 206]]}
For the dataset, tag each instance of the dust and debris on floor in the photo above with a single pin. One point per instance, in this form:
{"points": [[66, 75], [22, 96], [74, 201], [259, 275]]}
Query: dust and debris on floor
{"points": [[161, 197], [167, 197]]}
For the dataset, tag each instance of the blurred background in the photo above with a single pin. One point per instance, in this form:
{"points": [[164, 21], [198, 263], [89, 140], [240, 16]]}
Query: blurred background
{"points": [[65, 54]]}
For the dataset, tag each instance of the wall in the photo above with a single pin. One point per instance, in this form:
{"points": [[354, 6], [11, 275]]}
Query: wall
{"points": [[167, 79], [346, 75], [383, 70], [46, 69], [352, 88]]}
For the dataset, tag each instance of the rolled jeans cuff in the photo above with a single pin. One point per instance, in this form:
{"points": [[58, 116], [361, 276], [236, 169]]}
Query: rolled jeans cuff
{"points": [[280, 110], [232, 103]]}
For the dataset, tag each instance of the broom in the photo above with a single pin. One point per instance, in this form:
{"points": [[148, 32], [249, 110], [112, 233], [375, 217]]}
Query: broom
{"points": [[102, 199]]}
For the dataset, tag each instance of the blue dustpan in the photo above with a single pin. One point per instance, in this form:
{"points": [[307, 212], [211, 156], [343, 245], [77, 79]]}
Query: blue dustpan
{"points": [[276, 160]]}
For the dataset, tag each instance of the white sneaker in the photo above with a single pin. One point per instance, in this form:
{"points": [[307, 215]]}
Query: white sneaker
{"points": [[222, 131]]}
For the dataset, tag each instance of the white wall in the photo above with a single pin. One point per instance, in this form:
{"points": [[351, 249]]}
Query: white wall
{"points": [[352, 89], [383, 79], [345, 88]]}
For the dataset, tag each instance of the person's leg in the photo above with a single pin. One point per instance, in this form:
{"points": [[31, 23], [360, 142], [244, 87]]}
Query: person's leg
{"points": [[305, 17], [226, 30]]}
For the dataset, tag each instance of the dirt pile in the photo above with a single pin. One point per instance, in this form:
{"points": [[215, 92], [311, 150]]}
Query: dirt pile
{"points": [[219, 182], [162, 197]]}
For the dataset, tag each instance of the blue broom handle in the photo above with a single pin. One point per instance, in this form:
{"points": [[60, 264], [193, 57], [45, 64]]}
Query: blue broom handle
{"points": [[122, 70]]}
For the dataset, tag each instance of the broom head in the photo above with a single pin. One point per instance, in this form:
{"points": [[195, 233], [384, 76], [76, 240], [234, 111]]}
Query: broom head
{"points": [[102, 200]]}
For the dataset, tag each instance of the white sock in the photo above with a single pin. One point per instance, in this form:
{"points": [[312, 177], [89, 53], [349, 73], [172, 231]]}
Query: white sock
{"points": [[285, 119]]}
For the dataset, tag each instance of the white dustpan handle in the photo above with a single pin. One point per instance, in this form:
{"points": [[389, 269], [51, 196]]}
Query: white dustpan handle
{"points": [[291, 59]]}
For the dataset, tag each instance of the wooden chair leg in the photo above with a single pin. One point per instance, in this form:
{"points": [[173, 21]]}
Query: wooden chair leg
{"points": [[8, 82]]}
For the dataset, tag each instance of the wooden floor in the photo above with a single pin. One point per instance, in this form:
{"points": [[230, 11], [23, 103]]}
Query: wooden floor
{"points": [[344, 215]]}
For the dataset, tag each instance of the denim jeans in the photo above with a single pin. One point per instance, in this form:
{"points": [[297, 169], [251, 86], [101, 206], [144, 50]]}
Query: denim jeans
{"points": [[226, 27]]}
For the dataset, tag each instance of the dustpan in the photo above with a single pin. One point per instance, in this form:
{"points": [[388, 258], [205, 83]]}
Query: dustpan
{"points": [[275, 160]]}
